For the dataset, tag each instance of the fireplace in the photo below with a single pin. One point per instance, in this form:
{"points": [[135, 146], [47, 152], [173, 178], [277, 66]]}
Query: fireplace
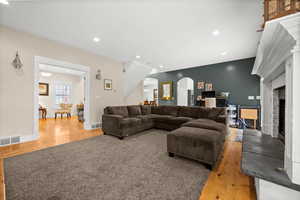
{"points": [[281, 133], [279, 113]]}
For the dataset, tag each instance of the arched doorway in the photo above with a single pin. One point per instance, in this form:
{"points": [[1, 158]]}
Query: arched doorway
{"points": [[151, 90], [185, 92]]}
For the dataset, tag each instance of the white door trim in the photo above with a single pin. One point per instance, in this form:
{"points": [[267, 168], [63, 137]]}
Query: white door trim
{"points": [[87, 90]]}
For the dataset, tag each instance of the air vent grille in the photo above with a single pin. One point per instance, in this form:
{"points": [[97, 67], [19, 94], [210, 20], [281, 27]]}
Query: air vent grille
{"points": [[96, 125], [4, 141], [15, 140], [10, 140]]}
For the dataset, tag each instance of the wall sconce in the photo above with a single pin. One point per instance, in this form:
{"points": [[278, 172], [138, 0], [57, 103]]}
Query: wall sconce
{"points": [[17, 62], [98, 75]]}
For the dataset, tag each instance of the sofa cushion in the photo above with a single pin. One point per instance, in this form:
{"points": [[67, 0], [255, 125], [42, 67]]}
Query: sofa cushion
{"points": [[180, 120], [130, 122], [206, 124], [170, 110], [134, 110], [164, 110], [146, 118], [118, 110], [203, 112], [162, 118], [184, 111], [156, 110], [146, 110], [215, 112]]}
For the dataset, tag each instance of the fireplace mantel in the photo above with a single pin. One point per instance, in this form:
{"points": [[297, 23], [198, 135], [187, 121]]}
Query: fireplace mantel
{"points": [[284, 33], [278, 64]]}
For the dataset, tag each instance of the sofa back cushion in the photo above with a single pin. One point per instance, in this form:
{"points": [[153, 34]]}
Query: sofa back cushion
{"points": [[201, 112], [134, 110], [185, 111], [215, 112], [156, 110], [118, 110], [165, 110], [146, 110], [170, 110]]}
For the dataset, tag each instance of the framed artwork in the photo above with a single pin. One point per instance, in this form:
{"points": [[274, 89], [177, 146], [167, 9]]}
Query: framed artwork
{"points": [[107, 84], [200, 85], [44, 89], [166, 90], [208, 87]]}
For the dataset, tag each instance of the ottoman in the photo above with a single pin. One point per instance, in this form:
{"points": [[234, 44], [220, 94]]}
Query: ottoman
{"points": [[199, 144]]}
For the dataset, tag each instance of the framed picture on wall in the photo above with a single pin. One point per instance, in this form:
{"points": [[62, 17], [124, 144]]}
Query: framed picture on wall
{"points": [[208, 87], [44, 89], [166, 90], [107, 84], [200, 85]]}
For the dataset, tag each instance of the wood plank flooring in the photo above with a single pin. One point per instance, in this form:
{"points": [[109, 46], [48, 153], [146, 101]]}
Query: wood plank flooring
{"points": [[226, 182]]}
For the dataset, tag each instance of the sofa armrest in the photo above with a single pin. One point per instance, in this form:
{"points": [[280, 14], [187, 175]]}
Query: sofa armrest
{"points": [[222, 119], [111, 121]]}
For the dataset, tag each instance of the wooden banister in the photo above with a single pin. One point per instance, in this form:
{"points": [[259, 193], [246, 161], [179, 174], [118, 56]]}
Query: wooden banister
{"points": [[278, 8]]}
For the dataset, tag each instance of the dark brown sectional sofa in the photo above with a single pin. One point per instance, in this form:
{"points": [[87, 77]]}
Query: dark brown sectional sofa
{"points": [[197, 132]]}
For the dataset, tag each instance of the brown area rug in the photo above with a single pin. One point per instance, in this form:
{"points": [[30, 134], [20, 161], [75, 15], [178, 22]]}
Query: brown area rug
{"points": [[105, 168]]}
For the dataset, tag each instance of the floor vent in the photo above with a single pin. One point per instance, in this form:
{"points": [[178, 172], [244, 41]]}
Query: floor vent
{"points": [[15, 140], [4, 141], [10, 140], [96, 125]]}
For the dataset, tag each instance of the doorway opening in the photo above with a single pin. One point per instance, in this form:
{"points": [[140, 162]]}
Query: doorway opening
{"points": [[185, 92], [61, 95], [150, 91]]}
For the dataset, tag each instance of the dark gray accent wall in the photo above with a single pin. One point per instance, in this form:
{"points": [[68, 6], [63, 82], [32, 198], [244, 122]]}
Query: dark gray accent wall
{"points": [[234, 77]]}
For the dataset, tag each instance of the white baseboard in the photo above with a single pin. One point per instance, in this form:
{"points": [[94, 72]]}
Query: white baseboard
{"points": [[92, 126], [29, 138]]}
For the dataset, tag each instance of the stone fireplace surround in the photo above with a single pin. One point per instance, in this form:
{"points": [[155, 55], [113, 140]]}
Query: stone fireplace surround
{"points": [[278, 64]]}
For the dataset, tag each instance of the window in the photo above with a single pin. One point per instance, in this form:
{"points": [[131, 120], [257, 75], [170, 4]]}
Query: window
{"points": [[62, 93]]}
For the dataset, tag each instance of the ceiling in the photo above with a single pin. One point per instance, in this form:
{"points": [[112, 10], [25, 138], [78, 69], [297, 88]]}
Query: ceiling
{"points": [[174, 34]]}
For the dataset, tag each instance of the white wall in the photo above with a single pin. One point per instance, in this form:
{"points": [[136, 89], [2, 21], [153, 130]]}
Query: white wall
{"points": [[183, 85], [150, 84], [273, 191], [136, 95], [17, 88], [148, 92], [77, 91]]}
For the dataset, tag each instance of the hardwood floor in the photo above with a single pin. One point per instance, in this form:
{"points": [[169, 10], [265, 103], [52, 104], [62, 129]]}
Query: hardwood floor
{"points": [[226, 182]]}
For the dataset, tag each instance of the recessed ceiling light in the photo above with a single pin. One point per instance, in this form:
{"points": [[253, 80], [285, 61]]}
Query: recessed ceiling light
{"points": [[161, 66], [46, 74], [137, 57], [5, 2], [216, 32], [224, 53], [96, 39]]}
